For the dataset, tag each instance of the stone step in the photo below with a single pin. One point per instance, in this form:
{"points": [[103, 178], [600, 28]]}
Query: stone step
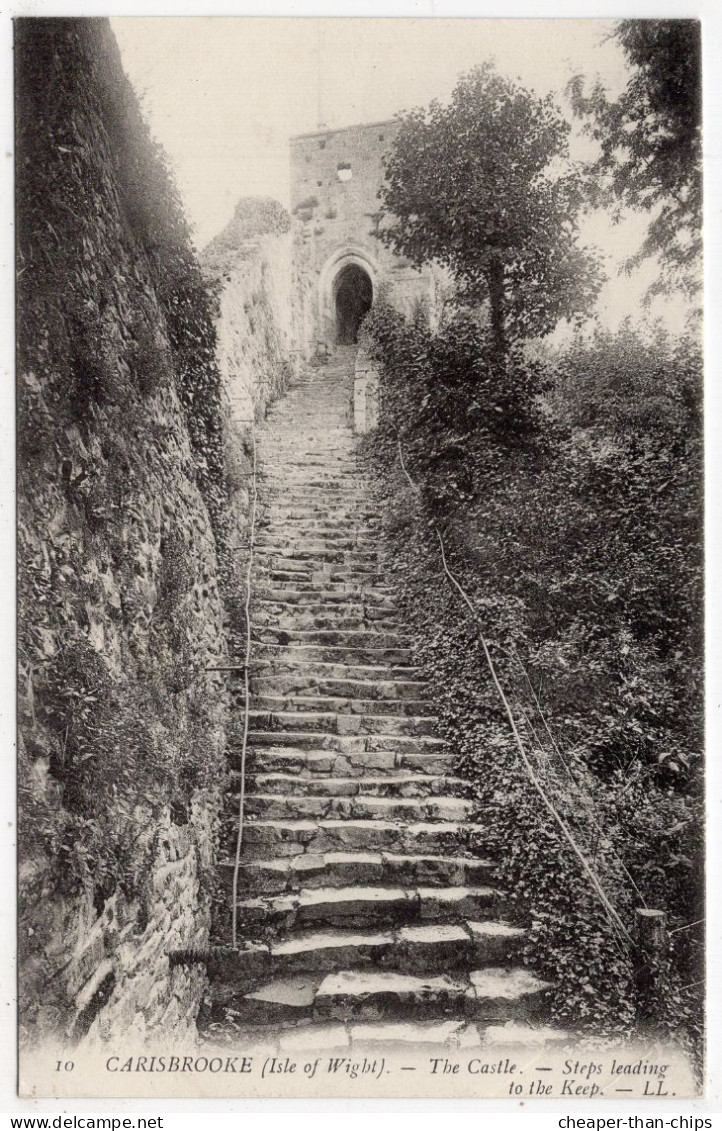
{"points": [[332, 515], [310, 763], [292, 837], [334, 480], [430, 947], [284, 539], [313, 575], [353, 655], [319, 554], [321, 590], [334, 618], [408, 785], [330, 704], [297, 682], [330, 722], [356, 574], [331, 459], [348, 744], [279, 807], [308, 494], [329, 528], [486, 995], [315, 599], [283, 604], [489, 995], [340, 869], [355, 906], [328, 670]]}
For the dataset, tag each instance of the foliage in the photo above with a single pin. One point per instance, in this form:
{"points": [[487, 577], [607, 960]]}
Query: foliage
{"points": [[484, 187], [651, 143], [573, 519], [254, 216], [121, 445]]}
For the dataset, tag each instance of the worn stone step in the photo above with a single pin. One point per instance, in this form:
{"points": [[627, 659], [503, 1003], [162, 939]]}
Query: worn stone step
{"points": [[355, 574], [282, 1000], [282, 483], [283, 664], [308, 494], [507, 993], [342, 764], [292, 837], [318, 554], [354, 655], [359, 807], [330, 529], [406, 785], [333, 618], [290, 542], [313, 604], [413, 1036], [355, 906], [348, 744], [334, 723], [487, 994], [283, 685], [334, 704], [320, 589], [431, 947], [335, 459], [326, 598], [370, 995], [343, 605], [341, 869]]}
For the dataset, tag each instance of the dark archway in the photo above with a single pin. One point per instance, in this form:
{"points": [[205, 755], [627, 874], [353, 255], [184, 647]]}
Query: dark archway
{"points": [[353, 295]]}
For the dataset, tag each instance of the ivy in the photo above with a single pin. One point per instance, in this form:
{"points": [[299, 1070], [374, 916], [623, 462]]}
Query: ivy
{"points": [[567, 489]]}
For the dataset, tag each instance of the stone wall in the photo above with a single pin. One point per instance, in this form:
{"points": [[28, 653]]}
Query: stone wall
{"points": [[335, 180], [121, 541], [264, 309], [365, 393]]}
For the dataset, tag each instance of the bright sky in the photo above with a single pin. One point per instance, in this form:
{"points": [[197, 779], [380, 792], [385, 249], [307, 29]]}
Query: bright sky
{"points": [[224, 95]]}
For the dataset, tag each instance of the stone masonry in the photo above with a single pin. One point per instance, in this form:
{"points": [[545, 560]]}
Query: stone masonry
{"points": [[335, 179]]}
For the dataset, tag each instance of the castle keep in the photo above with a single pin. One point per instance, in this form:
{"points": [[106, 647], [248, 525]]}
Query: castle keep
{"points": [[335, 180]]}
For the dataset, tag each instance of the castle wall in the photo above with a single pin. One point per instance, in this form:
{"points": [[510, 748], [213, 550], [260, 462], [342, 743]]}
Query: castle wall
{"points": [[335, 179]]}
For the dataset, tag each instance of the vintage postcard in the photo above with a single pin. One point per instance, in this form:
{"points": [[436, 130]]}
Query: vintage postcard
{"points": [[360, 573]]}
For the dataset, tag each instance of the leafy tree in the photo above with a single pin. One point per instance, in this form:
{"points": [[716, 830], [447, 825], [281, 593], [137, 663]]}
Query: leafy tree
{"points": [[651, 143], [482, 186]]}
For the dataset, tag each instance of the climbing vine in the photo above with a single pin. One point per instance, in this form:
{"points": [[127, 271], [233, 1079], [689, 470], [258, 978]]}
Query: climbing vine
{"points": [[566, 486]]}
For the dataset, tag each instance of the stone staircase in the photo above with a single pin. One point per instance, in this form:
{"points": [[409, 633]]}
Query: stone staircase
{"points": [[367, 916]]}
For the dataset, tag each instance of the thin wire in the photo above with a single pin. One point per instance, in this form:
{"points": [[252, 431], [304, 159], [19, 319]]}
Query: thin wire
{"points": [[246, 684], [581, 796], [687, 927], [599, 891]]}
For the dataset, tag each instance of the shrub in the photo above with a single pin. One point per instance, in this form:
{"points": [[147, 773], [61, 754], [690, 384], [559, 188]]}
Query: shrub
{"points": [[568, 495]]}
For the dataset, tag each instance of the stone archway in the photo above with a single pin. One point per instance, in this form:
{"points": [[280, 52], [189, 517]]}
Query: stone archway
{"points": [[353, 291], [353, 294]]}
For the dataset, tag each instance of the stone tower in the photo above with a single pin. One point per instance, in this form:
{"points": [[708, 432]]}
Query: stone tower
{"points": [[335, 180]]}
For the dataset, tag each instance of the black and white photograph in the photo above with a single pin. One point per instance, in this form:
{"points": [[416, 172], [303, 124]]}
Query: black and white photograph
{"points": [[360, 575]]}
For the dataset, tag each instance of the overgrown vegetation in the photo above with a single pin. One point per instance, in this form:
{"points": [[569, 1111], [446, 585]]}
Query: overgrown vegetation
{"points": [[563, 486], [120, 465], [567, 493]]}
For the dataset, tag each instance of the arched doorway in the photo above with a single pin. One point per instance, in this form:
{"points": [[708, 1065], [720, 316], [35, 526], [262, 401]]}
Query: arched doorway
{"points": [[353, 295]]}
